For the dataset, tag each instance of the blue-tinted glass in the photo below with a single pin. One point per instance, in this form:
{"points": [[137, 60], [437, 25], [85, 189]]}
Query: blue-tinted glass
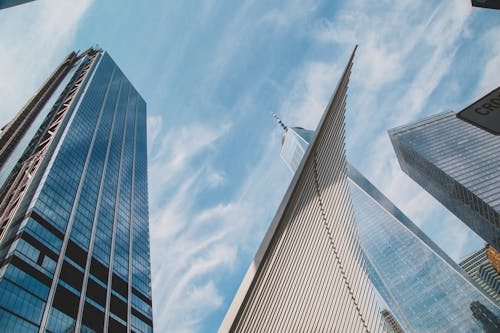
{"points": [[89, 211], [425, 289], [459, 164], [20, 302], [295, 143], [8, 165]]}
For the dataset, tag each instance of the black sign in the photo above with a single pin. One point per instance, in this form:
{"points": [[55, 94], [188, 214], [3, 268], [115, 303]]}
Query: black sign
{"points": [[484, 113], [493, 4]]}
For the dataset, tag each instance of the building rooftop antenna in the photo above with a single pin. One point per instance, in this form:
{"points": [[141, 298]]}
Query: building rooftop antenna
{"points": [[282, 124]]}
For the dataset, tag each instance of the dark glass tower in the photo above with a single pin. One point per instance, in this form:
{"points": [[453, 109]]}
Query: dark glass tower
{"points": [[74, 239], [11, 3]]}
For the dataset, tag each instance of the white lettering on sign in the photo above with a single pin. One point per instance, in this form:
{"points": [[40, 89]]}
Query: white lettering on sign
{"points": [[493, 104]]}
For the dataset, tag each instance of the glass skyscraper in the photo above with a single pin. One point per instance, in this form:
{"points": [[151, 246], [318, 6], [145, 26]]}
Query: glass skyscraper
{"points": [[459, 164], [11, 3], [425, 290], [482, 269], [74, 239], [295, 142], [390, 324]]}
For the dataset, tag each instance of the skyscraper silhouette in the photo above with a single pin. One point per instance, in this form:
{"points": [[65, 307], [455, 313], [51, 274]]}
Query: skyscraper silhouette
{"points": [[74, 241]]}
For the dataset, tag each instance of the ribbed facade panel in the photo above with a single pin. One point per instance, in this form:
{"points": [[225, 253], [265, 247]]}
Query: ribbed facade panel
{"points": [[308, 275], [459, 164]]}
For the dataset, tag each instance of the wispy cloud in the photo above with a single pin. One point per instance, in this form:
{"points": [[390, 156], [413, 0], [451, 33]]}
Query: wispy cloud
{"points": [[171, 155], [405, 51], [490, 78], [199, 237], [35, 37], [305, 104], [282, 17], [192, 249]]}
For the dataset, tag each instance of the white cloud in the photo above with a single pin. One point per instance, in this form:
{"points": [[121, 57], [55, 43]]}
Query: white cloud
{"points": [[412, 45], [176, 303], [294, 10], [154, 128], [35, 38], [193, 248], [405, 50], [215, 179], [490, 78], [168, 221], [312, 90], [172, 154], [457, 238]]}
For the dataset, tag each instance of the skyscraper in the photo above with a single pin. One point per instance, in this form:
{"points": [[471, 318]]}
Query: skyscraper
{"points": [[459, 164], [11, 3], [294, 144], [425, 290], [74, 242], [390, 324], [308, 274], [481, 267]]}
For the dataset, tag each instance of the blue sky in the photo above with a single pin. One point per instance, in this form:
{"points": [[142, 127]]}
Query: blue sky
{"points": [[213, 71]]}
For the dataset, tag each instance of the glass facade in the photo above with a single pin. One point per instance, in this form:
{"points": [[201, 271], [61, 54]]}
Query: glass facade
{"points": [[9, 164], [76, 254], [483, 272], [10, 3], [459, 164], [425, 290], [294, 145]]}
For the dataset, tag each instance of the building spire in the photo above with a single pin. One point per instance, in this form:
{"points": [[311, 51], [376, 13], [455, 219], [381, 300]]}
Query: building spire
{"points": [[279, 121]]}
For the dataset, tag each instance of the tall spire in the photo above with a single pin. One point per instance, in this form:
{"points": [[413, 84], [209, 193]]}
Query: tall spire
{"points": [[301, 246], [279, 121]]}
